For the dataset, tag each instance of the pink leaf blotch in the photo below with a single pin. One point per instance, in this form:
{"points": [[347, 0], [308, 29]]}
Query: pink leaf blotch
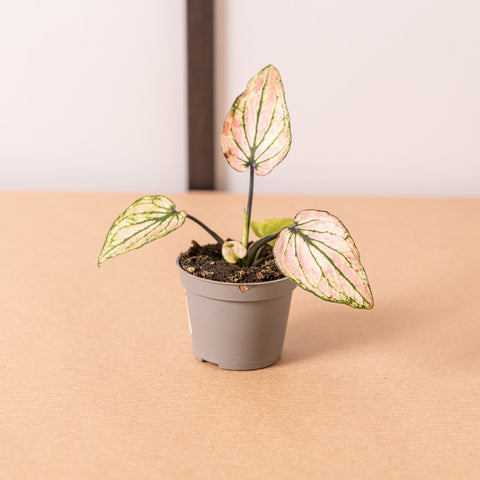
{"points": [[257, 129], [319, 255], [145, 220]]}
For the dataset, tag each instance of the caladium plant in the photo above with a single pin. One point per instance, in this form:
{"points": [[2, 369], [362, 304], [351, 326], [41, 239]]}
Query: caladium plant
{"points": [[314, 249]]}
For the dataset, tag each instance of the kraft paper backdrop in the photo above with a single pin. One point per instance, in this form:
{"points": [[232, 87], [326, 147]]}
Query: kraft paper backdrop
{"points": [[98, 379]]}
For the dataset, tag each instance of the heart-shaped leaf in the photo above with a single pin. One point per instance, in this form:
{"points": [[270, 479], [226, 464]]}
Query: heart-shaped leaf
{"points": [[319, 255], [269, 226], [262, 228], [257, 129], [145, 220]]}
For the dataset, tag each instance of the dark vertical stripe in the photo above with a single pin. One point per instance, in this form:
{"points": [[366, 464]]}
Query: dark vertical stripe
{"points": [[200, 94]]}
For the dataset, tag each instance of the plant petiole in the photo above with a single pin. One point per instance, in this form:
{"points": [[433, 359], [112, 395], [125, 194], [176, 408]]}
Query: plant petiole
{"points": [[215, 235], [248, 214], [255, 246]]}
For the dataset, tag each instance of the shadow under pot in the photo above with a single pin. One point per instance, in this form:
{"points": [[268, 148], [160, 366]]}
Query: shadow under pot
{"points": [[237, 326]]}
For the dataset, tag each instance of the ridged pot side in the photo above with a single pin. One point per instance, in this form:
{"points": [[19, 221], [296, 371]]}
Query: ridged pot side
{"points": [[237, 326]]}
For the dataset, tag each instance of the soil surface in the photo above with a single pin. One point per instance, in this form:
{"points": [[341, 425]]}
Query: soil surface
{"points": [[206, 261]]}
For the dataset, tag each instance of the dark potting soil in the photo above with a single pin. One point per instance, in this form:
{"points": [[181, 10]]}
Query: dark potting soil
{"points": [[206, 261]]}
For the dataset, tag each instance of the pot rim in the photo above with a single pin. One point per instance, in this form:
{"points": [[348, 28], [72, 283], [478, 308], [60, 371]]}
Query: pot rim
{"points": [[216, 282]]}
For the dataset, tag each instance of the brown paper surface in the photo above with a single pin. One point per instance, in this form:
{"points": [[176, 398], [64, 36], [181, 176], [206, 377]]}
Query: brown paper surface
{"points": [[98, 379]]}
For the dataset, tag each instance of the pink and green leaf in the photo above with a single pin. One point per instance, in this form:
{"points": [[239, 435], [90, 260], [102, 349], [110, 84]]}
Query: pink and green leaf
{"points": [[257, 129], [145, 220], [319, 254]]}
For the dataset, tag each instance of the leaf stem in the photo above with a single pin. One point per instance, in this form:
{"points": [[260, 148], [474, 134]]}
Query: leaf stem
{"points": [[246, 230], [256, 263], [257, 256], [255, 246], [217, 237]]}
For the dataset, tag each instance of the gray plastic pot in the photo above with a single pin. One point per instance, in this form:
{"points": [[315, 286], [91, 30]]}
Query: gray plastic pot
{"points": [[237, 326]]}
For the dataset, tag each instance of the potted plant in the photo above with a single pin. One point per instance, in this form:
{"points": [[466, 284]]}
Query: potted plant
{"points": [[238, 321]]}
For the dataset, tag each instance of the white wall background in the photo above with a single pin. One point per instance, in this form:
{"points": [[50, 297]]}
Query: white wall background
{"points": [[93, 95], [384, 96]]}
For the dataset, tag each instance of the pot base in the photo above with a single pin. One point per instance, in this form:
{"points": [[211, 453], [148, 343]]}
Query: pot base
{"points": [[241, 366]]}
